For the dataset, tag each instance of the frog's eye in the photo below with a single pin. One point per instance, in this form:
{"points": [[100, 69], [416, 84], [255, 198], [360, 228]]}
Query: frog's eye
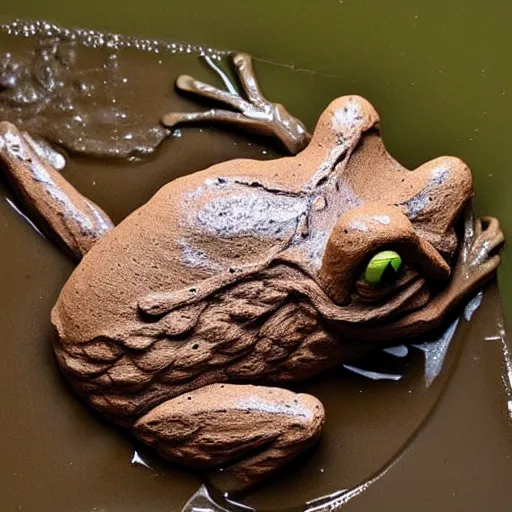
{"points": [[383, 268]]}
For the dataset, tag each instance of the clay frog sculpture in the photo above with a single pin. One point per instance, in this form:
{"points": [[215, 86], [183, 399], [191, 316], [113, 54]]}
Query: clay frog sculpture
{"points": [[187, 321]]}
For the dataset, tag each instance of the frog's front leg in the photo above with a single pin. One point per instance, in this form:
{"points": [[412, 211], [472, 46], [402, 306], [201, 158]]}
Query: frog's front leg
{"points": [[77, 221], [248, 431], [255, 113]]}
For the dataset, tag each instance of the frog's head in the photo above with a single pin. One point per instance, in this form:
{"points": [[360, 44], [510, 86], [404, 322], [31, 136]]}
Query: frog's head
{"points": [[396, 249], [375, 255]]}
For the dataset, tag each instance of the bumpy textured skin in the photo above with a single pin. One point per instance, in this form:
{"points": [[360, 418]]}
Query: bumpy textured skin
{"points": [[249, 272]]}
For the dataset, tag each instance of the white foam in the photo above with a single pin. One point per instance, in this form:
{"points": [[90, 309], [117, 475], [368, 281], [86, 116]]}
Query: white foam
{"points": [[96, 39]]}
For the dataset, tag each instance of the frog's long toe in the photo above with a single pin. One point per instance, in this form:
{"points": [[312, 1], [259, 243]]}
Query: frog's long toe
{"points": [[489, 239], [174, 119], [243, 65], [247, 431], [190, 85]]}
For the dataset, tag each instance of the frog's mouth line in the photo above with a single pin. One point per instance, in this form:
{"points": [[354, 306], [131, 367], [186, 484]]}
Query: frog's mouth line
{"points": [[368, 294]]}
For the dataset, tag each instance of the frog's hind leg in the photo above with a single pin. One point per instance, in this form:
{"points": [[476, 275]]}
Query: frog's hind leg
{"points": [[77, 221], [255, 113], [247, 431]]}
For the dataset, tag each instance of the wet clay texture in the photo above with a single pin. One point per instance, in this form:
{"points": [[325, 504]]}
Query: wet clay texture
{"points": [[250, 272], [59, 456], [85, 111]]}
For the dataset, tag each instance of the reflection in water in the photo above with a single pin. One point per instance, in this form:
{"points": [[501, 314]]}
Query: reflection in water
{"points": [[223, 76], [334, 501], [137, 459], [435, 353], [11, 203], [59, 91], [436, 359], [398, 351], [507, 361], [473, 305], [203, 501], [84, 109], [371, 374]]}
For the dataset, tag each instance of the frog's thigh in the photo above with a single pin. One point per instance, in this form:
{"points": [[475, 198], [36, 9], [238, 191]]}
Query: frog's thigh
{"points": [[249, 431]]}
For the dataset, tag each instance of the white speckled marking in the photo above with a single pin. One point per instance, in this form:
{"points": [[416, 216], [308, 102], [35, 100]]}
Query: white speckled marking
{"points": [[256, 403]]}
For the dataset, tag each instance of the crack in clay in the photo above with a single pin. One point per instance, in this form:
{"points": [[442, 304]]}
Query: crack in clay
{"points": [[258, 185]]}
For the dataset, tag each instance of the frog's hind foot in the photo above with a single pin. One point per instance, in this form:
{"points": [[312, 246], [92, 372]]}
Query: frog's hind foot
{"points": [[255, 114], [246, 431]]}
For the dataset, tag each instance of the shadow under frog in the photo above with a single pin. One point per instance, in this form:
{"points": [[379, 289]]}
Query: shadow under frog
{"points": [[251, 272]]}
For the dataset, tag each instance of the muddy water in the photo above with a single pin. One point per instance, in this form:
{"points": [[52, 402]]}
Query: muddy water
{"points": [[446, 446]]}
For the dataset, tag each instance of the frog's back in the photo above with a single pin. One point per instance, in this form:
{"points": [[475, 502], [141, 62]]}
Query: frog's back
{"points": [[231, 215], [200, 225], [159, 247], [166, 245]]}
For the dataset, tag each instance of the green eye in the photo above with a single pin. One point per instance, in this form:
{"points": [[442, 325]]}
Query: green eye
{"points": [[382, 267]]}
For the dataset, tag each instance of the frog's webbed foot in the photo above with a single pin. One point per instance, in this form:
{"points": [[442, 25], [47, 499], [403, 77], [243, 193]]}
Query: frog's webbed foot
{"points": [[247, 431], [31, 168], [477, 263], [479, 256], [255, 114]]}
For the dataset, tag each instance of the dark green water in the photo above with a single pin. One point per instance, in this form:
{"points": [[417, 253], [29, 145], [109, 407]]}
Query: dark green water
{"points": [[439, 72]]}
